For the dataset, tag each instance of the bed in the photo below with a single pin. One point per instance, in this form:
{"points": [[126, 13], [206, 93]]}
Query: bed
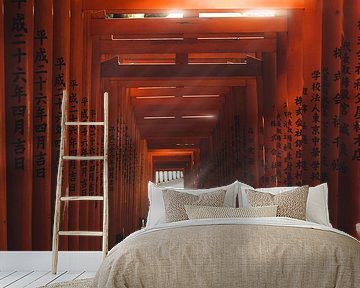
{"points": [[234, 251]]}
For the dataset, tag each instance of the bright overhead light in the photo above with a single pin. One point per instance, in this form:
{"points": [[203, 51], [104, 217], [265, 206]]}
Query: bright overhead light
{"points": [[175, 14], [218, 15], [158, 117], [154, 97], [201, 96], [260, 13], [248, 13], [197, 116]]}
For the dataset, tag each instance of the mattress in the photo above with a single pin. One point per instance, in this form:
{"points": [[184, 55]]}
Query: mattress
{"points": [[234, 252]]}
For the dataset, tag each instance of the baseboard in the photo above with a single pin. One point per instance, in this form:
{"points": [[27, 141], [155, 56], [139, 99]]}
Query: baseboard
{"points": [[41, 260]]}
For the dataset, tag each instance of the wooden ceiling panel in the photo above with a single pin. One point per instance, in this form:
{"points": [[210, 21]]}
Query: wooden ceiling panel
{"points": [[178, 103], [178, 113], [180, 81], [186, 27], [172, 158], [173, 142], [169, 124], [171, 152], [169, 165], [112, 68], [187, 46], [231, 39], [175, 131], [179, 91]]}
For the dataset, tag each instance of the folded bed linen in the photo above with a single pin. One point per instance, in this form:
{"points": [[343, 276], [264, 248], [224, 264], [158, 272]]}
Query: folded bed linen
{"points": [[234, 252]]}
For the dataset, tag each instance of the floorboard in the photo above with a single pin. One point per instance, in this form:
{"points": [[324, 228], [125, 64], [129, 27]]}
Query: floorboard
{"points": [[12, 278], [68, 276], [35, 279], [87, 275], [46, 279], [4, 274], [30, 269], [28, 279]]}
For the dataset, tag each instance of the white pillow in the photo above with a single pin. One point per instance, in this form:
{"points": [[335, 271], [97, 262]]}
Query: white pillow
{"points": [[317, 209], [242, 194], [156, 213]]}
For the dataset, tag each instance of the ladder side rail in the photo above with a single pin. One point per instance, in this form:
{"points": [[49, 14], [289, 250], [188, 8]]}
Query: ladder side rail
{"points": [[56, 224], [105, 177]]}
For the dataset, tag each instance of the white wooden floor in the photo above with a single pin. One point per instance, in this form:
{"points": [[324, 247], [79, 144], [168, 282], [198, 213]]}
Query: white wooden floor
{"points": [[32, 269], [32, 279]]}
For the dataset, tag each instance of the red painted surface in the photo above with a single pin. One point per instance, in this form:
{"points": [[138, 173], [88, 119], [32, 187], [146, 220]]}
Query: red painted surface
{"points": [[256, 135]]}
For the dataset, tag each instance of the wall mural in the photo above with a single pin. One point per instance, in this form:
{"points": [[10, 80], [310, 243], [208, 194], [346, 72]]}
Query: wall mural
{"points": [[298, 124]]}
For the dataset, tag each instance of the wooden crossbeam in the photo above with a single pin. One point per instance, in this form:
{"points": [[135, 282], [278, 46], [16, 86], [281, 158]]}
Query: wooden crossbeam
{"points": [[174, 131], [178, 91], [181, 81], [189, 27], [131, 6], [111, 68], [153, 104], [171, 142], [186, 46]]}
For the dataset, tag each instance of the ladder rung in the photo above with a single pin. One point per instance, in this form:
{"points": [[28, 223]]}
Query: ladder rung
{"points": [[81, 198], [84, 123], [81, 233], [83, 157]]}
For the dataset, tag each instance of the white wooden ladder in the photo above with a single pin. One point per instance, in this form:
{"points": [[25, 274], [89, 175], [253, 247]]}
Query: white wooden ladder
{"points": [[60, 198]]}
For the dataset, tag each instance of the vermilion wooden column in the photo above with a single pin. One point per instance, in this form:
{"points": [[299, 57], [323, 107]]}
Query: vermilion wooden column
{"points": [[91, 56], [86, 99], [231, 140], [79, 58], [144, 179], [294, 63], [61, 81], [96, 135], [281, 116], [3, 203], [269, 97], [120, 167], [312, 51], [350, 118], [261, 147], [330, 165], [131, 213], [240, 93], [112, 89], [19, 37], [126, 191], [43, 68], [252, 134], [77, 185]]}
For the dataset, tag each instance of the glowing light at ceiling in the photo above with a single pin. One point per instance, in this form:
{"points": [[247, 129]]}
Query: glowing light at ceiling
{"points": [[175, 14], [248, 13]]}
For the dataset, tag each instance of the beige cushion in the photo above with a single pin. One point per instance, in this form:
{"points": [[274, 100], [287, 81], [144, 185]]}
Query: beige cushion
{"points": [[290, 204], [175, 201], [156, 214], [201, 212]]}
